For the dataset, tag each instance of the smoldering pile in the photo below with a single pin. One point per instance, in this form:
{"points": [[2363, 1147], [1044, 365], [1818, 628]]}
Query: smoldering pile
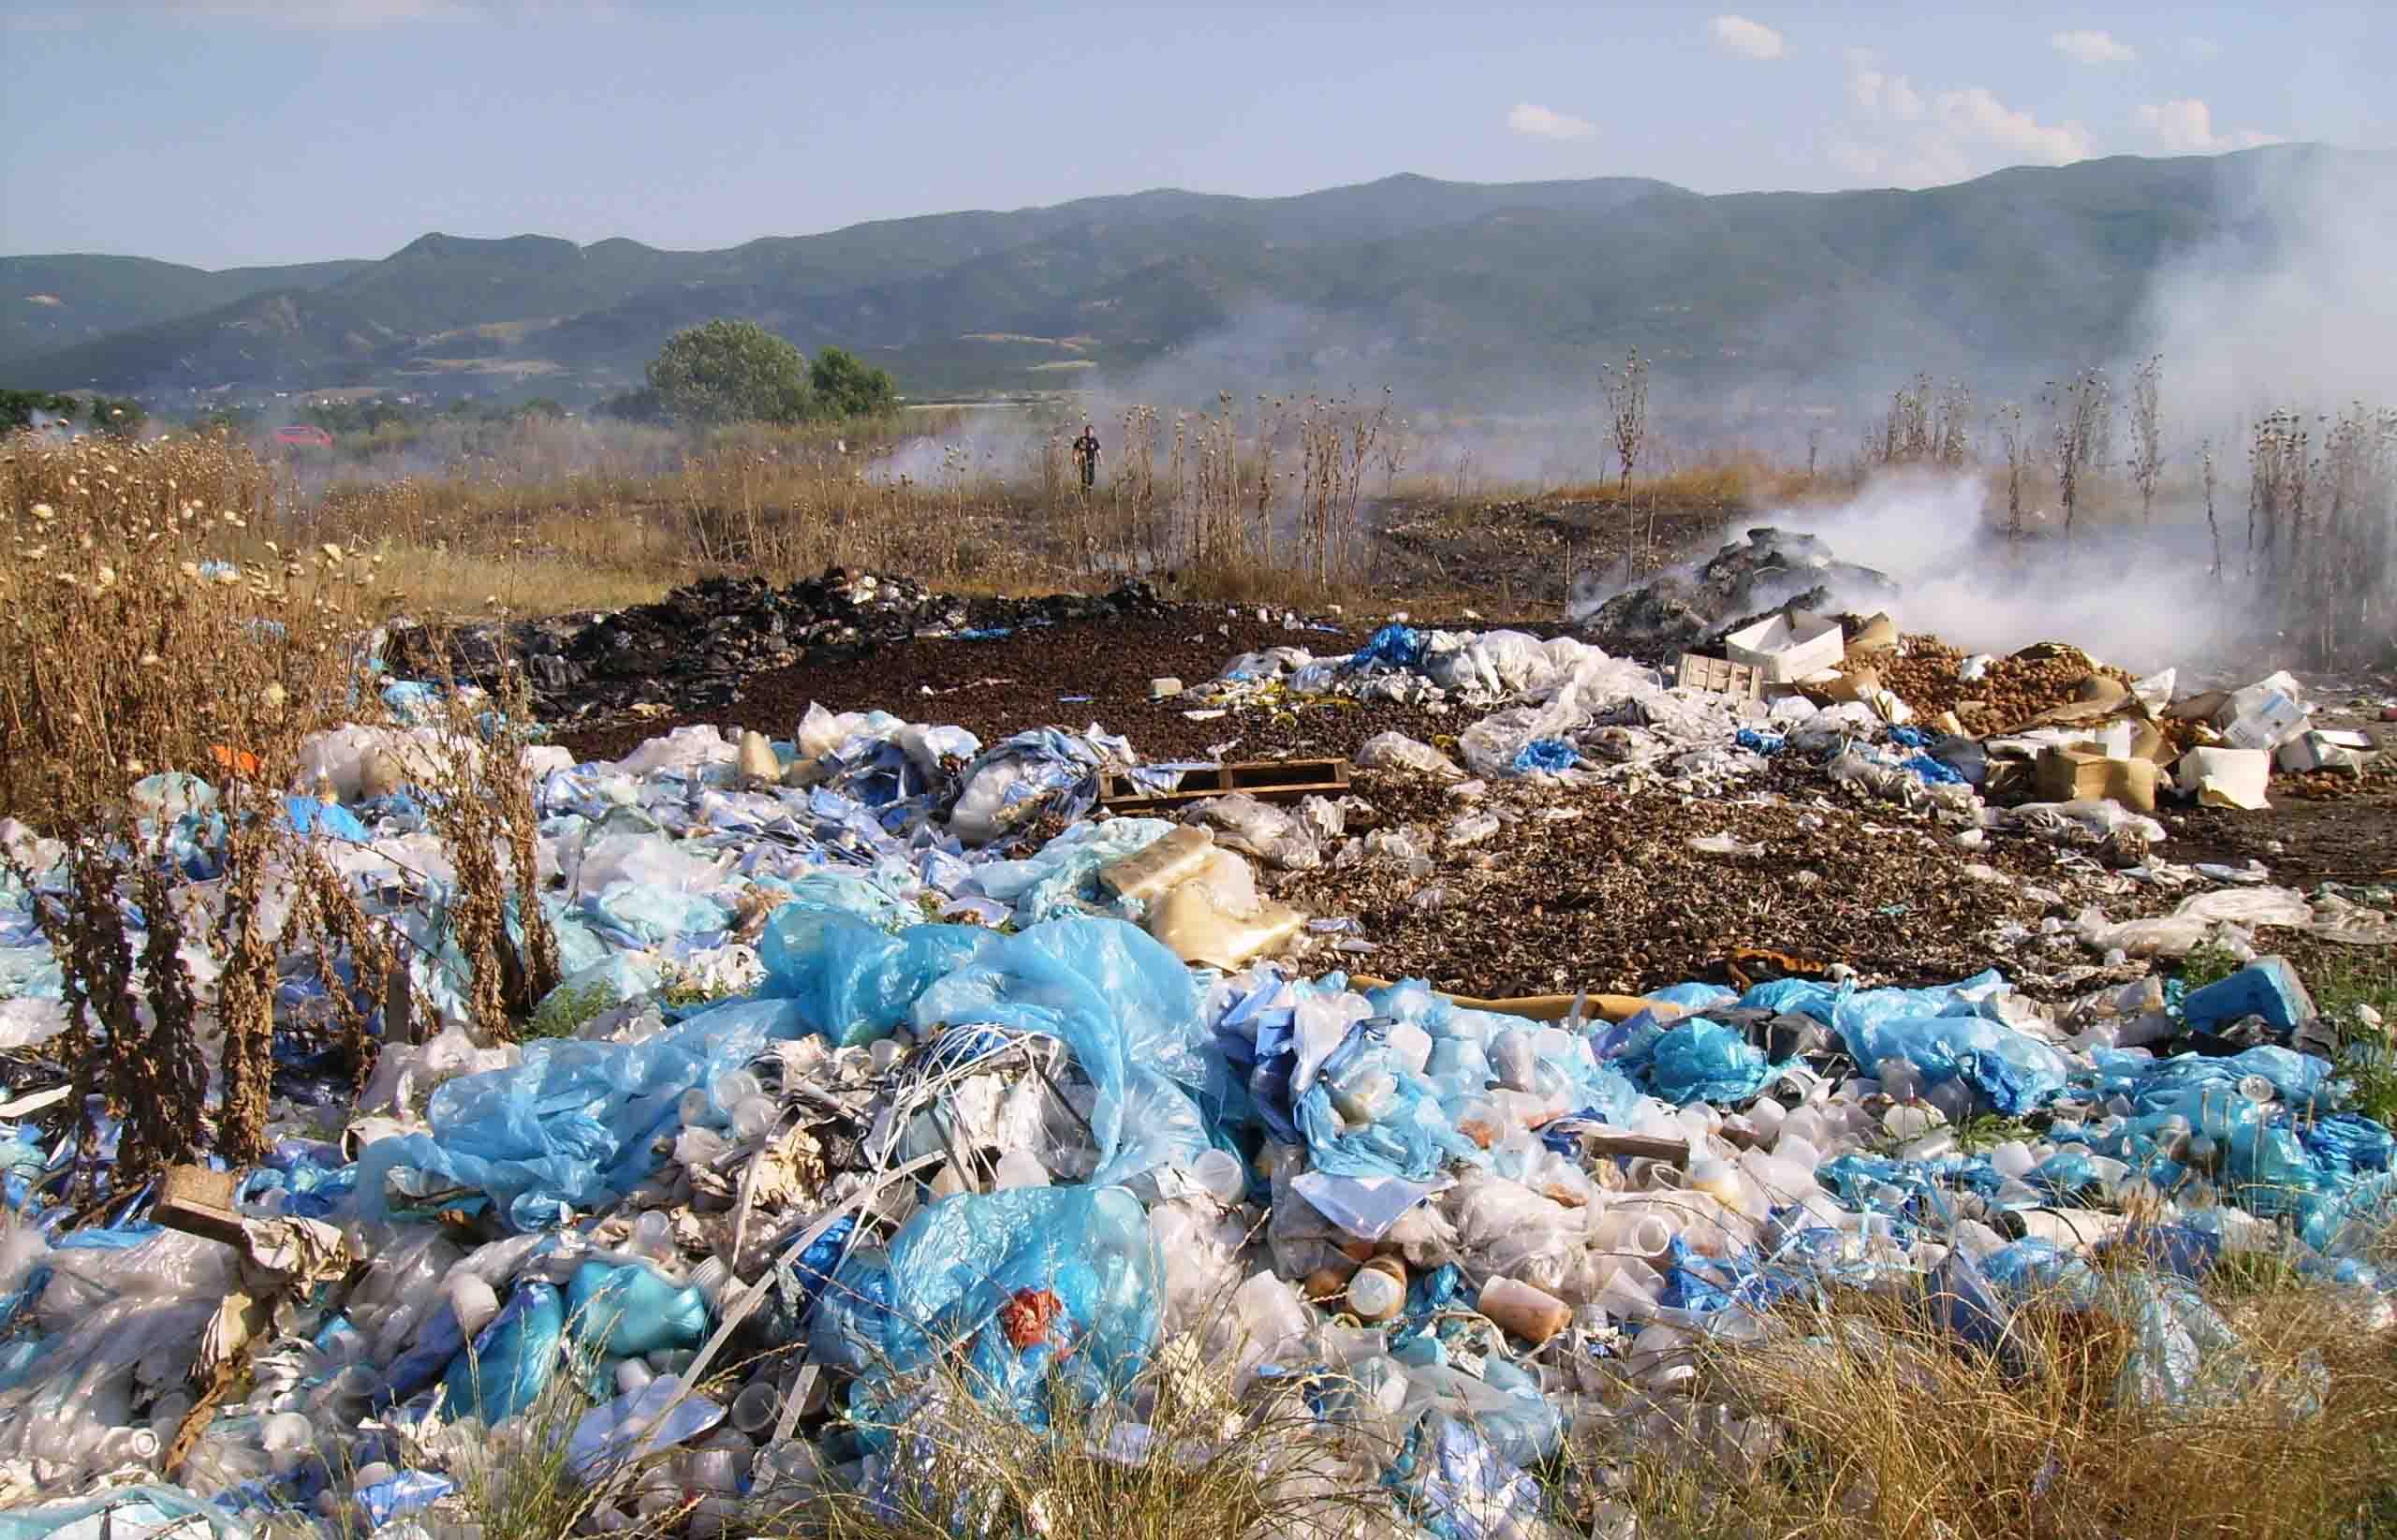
{"points": [[1687, 607]]}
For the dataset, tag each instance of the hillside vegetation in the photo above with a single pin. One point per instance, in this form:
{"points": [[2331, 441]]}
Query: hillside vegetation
{"points": [[1467, 292]]}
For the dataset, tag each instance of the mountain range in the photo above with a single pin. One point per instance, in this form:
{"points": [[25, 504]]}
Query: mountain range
{"points": [[1448, 292]]}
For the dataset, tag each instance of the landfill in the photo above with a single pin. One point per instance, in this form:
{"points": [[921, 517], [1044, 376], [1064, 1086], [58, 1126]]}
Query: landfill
{"points": [[890, 1060]]}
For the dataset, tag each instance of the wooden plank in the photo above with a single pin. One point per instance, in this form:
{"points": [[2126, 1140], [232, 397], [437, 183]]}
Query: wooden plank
{"points": [[1266, 779]]}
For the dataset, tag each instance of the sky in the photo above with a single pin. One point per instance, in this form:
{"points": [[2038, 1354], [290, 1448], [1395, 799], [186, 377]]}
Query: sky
{"points": [[234, 132]]}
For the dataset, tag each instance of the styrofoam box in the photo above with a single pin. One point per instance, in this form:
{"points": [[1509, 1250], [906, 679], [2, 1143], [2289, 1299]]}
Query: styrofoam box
{"points": [[2270, 723], [1783, 651]]}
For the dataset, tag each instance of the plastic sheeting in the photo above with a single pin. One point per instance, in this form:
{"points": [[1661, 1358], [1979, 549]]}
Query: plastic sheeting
{"points": [[574, 1126]]}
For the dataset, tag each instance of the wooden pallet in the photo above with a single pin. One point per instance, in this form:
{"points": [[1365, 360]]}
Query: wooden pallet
{"points": [[1703, 673], [1268, 779]]}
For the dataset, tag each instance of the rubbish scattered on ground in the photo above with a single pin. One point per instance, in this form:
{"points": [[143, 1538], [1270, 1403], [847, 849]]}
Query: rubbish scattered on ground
{"points": [[887, 1062]]}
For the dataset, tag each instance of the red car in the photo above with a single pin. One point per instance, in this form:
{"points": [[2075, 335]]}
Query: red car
{"points": [[307, 434]]}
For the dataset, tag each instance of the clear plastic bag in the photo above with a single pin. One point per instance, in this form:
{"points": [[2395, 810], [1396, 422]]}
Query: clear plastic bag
{"points": [[1396, 751]]}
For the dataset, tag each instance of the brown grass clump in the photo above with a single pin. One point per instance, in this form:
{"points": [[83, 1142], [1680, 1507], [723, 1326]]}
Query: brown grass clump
{"points": [[1888, 1429], [1159, 1464], [144, 633]]}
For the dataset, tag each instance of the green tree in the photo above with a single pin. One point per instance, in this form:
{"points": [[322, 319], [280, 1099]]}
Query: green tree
{"points": [[123, 417], [16, 408], [846, 386], [730, 372]]}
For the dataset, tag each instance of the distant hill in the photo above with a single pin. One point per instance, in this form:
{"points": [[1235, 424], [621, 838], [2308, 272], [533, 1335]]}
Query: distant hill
{"points": [[1450, 291], [53, 303]]}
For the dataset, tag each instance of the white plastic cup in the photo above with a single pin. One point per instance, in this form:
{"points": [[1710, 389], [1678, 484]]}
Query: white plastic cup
{"points": [[1220, 1175], [472, 1300], [2012, 1159], [754, 1410], [753, 1116], [1020, 1168], [653, 1234]]}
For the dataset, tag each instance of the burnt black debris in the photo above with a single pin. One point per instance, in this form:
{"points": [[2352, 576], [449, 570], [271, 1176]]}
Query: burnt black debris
{"points": [[696, 648]]}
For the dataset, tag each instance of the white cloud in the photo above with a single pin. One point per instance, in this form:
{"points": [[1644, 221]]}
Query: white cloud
{"points": [[1898, 134], [1541, 123], [1746, 39], [1881, 93], [1974, 113], [2185, 127], [2092, 47], [2201, 49]]}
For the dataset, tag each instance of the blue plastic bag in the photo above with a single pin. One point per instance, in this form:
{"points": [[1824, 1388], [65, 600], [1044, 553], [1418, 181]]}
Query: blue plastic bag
{"points": [[1030, 1287], [1399, 646], [1551, 756], [513, 1359], [1697, 1060], [629, 1311], [2011, 1071], [133, 1512]]}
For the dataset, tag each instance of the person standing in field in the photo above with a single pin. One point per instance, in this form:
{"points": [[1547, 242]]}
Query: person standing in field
{"points": [[1086, 456]]}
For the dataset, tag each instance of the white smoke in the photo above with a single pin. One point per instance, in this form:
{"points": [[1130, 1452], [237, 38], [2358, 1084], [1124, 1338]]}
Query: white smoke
{"points": [[2292, 306], [2141, 599]]}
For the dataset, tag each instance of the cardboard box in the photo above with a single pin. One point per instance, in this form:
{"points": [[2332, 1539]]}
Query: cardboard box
{"points": [[1877, 635], [1788, 647], [2073, 775]]}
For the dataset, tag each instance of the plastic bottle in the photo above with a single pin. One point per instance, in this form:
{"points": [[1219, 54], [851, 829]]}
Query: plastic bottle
{"points": [[289, 1437], [1898, 1078], [1531, 1313], [1661, 1357], [755, 1409], [134, 1446], [1953, 1098]]}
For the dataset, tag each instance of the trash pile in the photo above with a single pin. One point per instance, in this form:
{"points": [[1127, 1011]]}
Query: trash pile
{"points": [[891, 1073], [692, 650]]}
